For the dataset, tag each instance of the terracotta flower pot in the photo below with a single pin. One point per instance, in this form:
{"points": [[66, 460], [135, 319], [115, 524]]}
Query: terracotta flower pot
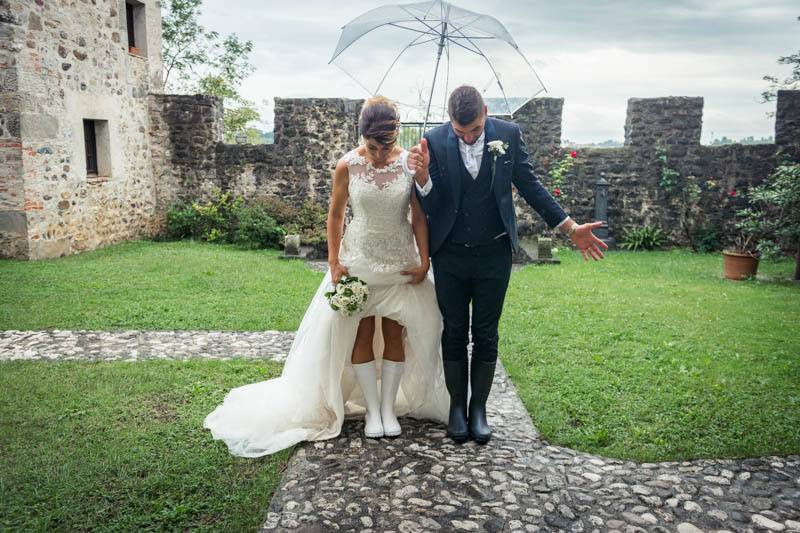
{"points": [[738, 265]]}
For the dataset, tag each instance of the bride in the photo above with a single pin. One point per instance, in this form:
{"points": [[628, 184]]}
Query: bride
{"points": [[390, 349]]}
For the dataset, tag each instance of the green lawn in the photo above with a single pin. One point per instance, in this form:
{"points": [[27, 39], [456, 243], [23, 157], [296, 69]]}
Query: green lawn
{"points": [[120, 447], [646, 356], [653, 356], [147, 285]]}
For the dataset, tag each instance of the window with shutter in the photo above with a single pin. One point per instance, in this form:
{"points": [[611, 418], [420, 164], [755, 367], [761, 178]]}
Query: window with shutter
{"points": [[131, 26], [90, 141]]}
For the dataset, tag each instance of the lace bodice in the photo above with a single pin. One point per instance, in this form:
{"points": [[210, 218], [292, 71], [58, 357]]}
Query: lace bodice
{"points": [[379, 237]]}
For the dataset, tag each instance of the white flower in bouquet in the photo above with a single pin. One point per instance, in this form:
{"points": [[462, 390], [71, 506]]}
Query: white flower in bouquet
{"points": [[348, 296]]}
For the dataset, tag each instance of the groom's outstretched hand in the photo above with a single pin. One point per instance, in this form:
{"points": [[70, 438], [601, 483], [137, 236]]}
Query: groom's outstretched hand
{"points": [[418, 160], [587, 242]]}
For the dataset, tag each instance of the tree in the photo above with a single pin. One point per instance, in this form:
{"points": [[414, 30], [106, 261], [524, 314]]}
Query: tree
{"points": [[791, 82], [184, 43], [229, 66], [197, 60]]}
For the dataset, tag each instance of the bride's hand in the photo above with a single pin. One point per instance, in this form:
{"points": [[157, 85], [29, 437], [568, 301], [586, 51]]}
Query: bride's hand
{"points": [[418, 273], [337, 272]]}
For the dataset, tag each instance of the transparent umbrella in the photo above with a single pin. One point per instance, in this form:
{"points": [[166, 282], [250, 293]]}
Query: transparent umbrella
{"points": [[416, 53]]}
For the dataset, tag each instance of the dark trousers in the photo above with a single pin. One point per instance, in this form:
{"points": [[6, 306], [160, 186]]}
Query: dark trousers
{"points": [[477, 275]]}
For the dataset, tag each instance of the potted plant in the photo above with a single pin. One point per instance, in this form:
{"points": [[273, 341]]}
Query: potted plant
{"points": [[740, 261], [772, 222]]}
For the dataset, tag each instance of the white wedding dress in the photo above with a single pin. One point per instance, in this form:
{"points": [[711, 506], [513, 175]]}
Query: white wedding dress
{"points": [[317, 387]]}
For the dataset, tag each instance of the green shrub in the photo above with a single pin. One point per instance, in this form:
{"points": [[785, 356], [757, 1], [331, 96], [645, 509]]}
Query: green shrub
{"points": [[224, 219], [312, 222], [213, 220], [182, 221], [283, 212], [217, 217], [707, 239], [257, 224], [309, 221], [256, 229], [647, 237]]}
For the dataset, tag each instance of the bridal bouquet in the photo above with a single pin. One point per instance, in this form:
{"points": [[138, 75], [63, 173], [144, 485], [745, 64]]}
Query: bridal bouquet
{"points": [[348, 296]]}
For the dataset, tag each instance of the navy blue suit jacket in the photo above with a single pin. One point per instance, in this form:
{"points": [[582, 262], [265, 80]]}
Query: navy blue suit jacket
{"points": [[514, 167]]}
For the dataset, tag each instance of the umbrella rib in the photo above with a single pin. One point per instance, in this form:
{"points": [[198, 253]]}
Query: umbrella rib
{"points": [[475, 50], [429, 8], [421, 21], [396, 25], [354, 79], [451, 36], [375, 28], [409, 45], [517, 50], [458, 28], [432, 39], [533, 70], [499, 83]]}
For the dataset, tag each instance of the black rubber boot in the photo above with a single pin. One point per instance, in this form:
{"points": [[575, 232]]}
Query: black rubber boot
{"points": [[455, 377], [481, 376]]}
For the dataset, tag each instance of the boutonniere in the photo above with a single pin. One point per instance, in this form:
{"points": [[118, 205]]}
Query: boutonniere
{"points": [[496, 148]]}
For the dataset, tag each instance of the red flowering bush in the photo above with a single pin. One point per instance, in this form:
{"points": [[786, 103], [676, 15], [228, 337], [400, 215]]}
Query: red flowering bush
{"points": [[558, 174]]}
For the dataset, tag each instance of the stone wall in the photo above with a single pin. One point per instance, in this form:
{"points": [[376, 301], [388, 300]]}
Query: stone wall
{"points": [[63, 63], [311, 134], [191, 161], [633, 171], [13, 222], [184, 134]]}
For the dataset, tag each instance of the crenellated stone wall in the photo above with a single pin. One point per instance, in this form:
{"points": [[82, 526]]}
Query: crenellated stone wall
{"points": [[311, 134], [62, 63], [633, 171]]}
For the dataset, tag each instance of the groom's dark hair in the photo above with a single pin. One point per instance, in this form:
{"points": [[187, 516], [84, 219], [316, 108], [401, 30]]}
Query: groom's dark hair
{"points": [[465, 104]]}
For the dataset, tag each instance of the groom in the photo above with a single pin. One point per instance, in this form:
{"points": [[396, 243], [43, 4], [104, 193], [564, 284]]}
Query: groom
{"points": [[464, 173]]}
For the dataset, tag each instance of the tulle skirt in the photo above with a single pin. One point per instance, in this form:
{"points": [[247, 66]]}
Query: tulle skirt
{"points": [[317, 387]]}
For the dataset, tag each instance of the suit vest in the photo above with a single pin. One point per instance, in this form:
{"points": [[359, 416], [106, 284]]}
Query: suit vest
{"points": [[478, 220]]}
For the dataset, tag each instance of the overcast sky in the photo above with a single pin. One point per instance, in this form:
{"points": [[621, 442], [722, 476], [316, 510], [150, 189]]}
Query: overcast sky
{"points": [[594, 54]]}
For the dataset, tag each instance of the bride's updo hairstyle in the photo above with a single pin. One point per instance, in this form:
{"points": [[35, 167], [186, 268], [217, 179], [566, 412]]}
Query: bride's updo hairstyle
{"points": [[379, 120]]}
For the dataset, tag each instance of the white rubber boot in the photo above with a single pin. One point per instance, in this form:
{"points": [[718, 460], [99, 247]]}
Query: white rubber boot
{"points": [[367, 377], [391, 372]]}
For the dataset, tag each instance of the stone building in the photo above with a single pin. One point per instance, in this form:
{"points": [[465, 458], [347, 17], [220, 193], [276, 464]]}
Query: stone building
{"points": [[91, 153], [75, 163]]}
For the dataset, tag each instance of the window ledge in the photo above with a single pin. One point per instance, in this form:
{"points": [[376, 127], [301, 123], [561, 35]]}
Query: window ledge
{"points": [[136, 52], [92, 178]]}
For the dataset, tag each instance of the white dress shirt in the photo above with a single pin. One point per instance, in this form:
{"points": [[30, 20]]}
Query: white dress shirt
{"points": [[472, 155]]}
